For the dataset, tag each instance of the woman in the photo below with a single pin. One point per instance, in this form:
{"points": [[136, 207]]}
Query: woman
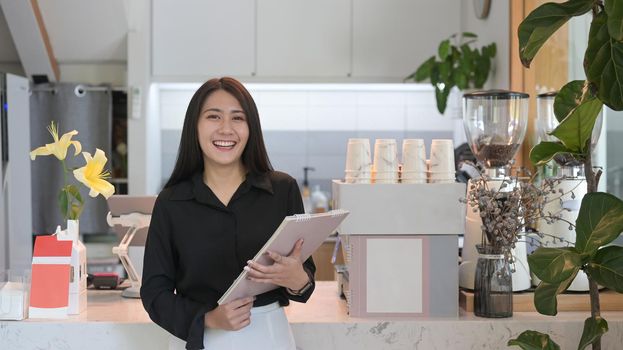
{"points": [[221, 204]]}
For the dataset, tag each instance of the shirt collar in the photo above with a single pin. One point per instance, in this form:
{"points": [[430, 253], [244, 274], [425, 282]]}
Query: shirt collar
{"points": [[197, 189]]}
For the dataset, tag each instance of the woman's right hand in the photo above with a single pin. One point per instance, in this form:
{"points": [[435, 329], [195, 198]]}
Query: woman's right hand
{"points": [[232, 316]]}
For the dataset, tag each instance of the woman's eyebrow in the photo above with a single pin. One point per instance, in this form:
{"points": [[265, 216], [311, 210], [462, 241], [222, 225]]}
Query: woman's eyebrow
{"points": [[221, 111]]}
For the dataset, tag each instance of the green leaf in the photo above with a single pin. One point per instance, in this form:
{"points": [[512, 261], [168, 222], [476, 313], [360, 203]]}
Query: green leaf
{"points": [[75, 193], [76, 210], [599, 221], [467, 64], [543, 22], [63, 202], [568, 98], [545, 295], [467, 52], [607, 267], [423, 71], [444, 70], [481, 73], [593, 329], [434, 73], [442, 98], [469, 35], [577, 128], [545, 151], [460, 79], [603, 63], [444, 49], [533, 340], [491, 50], [554, 265], [614, 10]]}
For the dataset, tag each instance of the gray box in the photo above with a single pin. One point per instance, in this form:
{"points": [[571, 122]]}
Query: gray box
{"points": [[401, 209], [401, 248]]}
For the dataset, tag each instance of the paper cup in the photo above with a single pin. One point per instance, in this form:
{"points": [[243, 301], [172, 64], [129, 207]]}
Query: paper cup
{"points": [[413, 156], [358, 161], [385, 165], [442, 156]]}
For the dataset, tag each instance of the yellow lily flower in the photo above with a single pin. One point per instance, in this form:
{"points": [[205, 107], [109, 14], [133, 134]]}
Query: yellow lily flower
{"points": [[59, 147], [93, 174]]}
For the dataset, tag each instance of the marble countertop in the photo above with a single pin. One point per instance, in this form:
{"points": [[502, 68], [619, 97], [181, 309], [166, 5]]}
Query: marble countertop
{"points": [[113, 322]]}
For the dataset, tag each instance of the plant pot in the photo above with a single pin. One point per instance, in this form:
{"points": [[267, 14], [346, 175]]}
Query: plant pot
{"points": [[493, 284]]}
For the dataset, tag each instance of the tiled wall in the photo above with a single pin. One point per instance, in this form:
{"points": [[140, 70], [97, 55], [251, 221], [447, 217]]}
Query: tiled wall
{"points": [[309, 125]]}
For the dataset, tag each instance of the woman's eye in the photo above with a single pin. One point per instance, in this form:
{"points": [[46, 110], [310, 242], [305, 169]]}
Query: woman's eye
{"points": [[212, 116], [238, 118]]}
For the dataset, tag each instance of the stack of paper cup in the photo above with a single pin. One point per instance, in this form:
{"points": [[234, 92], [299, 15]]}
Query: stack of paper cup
{"points": [[441, 169], [358, 161], [385, 166], [413, 161]]}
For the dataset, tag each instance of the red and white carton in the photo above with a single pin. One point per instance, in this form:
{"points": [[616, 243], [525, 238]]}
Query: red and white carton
{"points": [[78, 276], [51, 270]]}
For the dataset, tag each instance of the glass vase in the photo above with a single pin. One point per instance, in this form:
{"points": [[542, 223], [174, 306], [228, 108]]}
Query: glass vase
{"points": [[493, 284]]}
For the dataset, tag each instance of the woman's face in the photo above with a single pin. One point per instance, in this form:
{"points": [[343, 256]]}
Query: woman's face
{"points": [[223, 130]]}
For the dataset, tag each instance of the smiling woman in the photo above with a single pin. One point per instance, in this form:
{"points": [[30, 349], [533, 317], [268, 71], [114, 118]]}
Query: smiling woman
{"points": [[223, 132], [221, 204]]}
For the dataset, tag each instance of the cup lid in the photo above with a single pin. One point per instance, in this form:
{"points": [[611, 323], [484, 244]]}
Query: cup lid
{"points": [[495, 94]]}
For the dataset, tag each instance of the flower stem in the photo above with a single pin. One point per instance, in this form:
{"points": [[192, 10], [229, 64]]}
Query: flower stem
{"points": [[65, 171]]}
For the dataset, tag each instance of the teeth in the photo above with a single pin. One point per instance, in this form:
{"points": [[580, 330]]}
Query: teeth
{"points": [[224, 143]]}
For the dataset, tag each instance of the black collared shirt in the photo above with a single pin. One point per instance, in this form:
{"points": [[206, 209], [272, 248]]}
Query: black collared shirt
{"points": [[196, 247]]}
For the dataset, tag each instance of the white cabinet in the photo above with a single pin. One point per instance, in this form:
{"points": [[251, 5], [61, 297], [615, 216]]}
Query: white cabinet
{"points": [[297, 40], [198, 39], [303, 39], [392, 38]]}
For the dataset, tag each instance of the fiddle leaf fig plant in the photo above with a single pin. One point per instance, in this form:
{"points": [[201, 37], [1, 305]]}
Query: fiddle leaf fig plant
{"points": [[577, 106], [457, 64]]}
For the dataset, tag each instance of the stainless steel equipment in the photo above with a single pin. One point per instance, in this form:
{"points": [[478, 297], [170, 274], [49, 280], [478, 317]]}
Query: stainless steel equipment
{"points": [[15, 193]]}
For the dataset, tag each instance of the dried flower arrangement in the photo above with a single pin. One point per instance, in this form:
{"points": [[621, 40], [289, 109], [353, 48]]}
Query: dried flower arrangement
{"points": [[510, 208]]}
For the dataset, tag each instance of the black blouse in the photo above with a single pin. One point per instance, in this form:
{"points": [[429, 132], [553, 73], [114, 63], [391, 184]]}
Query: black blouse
{"points": [[197, 246]]}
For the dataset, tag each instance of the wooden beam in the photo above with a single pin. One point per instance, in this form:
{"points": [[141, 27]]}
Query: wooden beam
{"points": [[46, 39], [31, 38], [548, 71], [517, 14]]}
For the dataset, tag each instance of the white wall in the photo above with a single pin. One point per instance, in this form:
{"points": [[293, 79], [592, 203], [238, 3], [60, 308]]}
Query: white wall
{"points": [[309, 124], [495, 28]]}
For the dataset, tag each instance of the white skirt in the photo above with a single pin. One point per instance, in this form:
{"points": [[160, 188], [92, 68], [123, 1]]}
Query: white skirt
{"points": [[269, 330]]}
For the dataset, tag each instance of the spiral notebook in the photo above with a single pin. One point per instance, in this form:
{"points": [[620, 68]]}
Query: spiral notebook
{"points": [[313, 228]]}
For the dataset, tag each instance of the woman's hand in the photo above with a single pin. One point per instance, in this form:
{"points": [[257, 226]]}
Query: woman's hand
{"points": [[232, 316], [287, 271]]}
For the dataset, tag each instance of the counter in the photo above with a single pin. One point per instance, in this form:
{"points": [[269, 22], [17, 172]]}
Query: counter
{"points": [[112, 322]]}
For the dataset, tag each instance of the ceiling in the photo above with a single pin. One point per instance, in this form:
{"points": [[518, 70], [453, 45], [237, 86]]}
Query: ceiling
{"points": [[80, 31]]}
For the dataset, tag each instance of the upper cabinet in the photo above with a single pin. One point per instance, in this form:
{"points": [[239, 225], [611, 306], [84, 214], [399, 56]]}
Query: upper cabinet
{"points": [[297, 40], [301, 38], [197, 39], [392, 38]]}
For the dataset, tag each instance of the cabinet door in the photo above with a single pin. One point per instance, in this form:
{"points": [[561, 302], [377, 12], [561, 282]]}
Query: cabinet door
{"points": [[303, 39], [203, 38], [392, 38]]}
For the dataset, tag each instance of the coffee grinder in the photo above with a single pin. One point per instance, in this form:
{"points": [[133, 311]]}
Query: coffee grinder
{"points": [[571, 180], [495, 123]]}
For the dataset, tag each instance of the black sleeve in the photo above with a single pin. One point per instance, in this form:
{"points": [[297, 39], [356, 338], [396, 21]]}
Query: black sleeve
{"points": [[180, 316], [295, 206]]}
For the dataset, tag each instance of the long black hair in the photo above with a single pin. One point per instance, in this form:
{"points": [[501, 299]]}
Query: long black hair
{"points": [[189, 156]]}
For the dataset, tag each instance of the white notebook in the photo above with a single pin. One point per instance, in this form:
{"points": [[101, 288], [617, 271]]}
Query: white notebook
{"points": [[313, 228]]}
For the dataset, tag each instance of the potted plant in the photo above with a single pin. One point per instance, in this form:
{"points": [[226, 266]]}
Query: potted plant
{"points": [[600, 218], [458, 64]]}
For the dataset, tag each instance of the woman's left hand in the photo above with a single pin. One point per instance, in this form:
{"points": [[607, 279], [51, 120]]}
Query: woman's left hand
{"points": [[287, 271]]}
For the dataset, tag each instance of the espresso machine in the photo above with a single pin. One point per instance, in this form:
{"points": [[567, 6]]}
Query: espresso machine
{"points": [[495, 122], [571, 180]]}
